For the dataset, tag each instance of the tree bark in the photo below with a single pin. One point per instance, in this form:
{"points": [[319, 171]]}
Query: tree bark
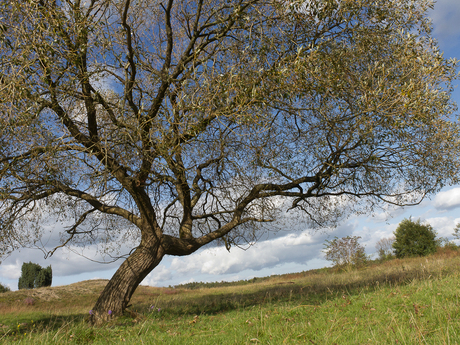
{"points": [[116, 295]]}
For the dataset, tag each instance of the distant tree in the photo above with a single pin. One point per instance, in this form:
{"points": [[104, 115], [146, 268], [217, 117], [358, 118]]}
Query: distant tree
{"points": [[44, 278], [29, 272], [4, 288], [345, 252], [457, 231], [34, 276], [444, 242], [384, 247], [412, 238]]}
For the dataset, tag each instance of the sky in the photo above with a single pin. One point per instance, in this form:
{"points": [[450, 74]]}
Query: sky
{"points": [[293, 249]]}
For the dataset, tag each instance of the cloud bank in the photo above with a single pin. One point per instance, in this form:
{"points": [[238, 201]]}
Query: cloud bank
{"points": [[447, 200]]}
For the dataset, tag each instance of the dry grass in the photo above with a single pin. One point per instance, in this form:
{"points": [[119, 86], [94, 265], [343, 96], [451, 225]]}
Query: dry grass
{"points": [[377, 304], [80, 297]]}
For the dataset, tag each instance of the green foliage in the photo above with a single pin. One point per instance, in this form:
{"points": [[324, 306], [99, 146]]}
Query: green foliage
{"points": [[29, 272], [44, 278], [34, 276], [345, 252], [414, 239], [4, 288]]}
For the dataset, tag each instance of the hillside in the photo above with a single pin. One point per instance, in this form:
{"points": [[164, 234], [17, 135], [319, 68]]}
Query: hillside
{"points": [[411, 300]]}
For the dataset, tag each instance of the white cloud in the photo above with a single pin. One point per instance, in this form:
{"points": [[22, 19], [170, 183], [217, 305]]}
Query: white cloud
{"points": [[191, 280], [444, 226], [11, 270], [159, 274], [217, 261], [63, 262], [445, 20], [447, 200], [371, 236], [292, 250]]}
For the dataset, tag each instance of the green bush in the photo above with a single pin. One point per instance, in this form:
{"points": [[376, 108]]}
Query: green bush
{"points": [[414, 239], [34, 276], [4, 288]]}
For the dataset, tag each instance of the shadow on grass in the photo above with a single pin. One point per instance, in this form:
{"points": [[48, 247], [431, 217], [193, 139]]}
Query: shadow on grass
{"points": [[26, 323], [311, 288], [312, 292]]}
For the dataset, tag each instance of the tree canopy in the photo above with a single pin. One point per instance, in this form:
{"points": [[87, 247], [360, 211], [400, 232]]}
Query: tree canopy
{"points": [[413, 238], [34, 276], [178, 123]]}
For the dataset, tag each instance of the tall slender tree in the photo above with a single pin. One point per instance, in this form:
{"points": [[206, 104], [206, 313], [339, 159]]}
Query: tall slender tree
{"points": [[178, 123]]}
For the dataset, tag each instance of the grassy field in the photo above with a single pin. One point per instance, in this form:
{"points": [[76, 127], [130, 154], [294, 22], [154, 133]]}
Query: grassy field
{"points": [[411, 301]]}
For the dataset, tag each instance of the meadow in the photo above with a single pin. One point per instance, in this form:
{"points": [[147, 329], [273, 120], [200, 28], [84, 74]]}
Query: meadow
{"points": [[407, 301]]}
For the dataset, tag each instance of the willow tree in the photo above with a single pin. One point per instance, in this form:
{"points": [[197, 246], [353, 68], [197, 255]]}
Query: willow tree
{"points": [[178, 123]]}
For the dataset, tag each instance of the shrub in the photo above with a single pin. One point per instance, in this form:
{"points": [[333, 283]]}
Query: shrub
{"points": [[345, 252], [4, 288], [414, 239], [34, 276]]}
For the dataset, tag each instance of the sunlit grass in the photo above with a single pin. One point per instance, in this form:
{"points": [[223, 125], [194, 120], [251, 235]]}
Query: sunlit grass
{"points": [[412, 301]]}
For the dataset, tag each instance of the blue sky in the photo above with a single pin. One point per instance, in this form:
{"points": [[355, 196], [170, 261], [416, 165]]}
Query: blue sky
{"points": [[291, 250]]}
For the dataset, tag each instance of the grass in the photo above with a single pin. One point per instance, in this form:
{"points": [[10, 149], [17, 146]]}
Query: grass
{"points": [[411, 301]]}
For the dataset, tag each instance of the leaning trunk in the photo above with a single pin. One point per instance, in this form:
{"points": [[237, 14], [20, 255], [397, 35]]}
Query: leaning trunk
{"points": [[117, 293]]}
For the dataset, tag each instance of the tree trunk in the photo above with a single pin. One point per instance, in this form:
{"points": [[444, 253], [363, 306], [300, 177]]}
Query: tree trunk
{"points": [[116, 295]]}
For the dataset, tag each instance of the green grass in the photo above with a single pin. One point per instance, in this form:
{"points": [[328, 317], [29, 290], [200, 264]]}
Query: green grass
{"points": [[412, 301]]}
